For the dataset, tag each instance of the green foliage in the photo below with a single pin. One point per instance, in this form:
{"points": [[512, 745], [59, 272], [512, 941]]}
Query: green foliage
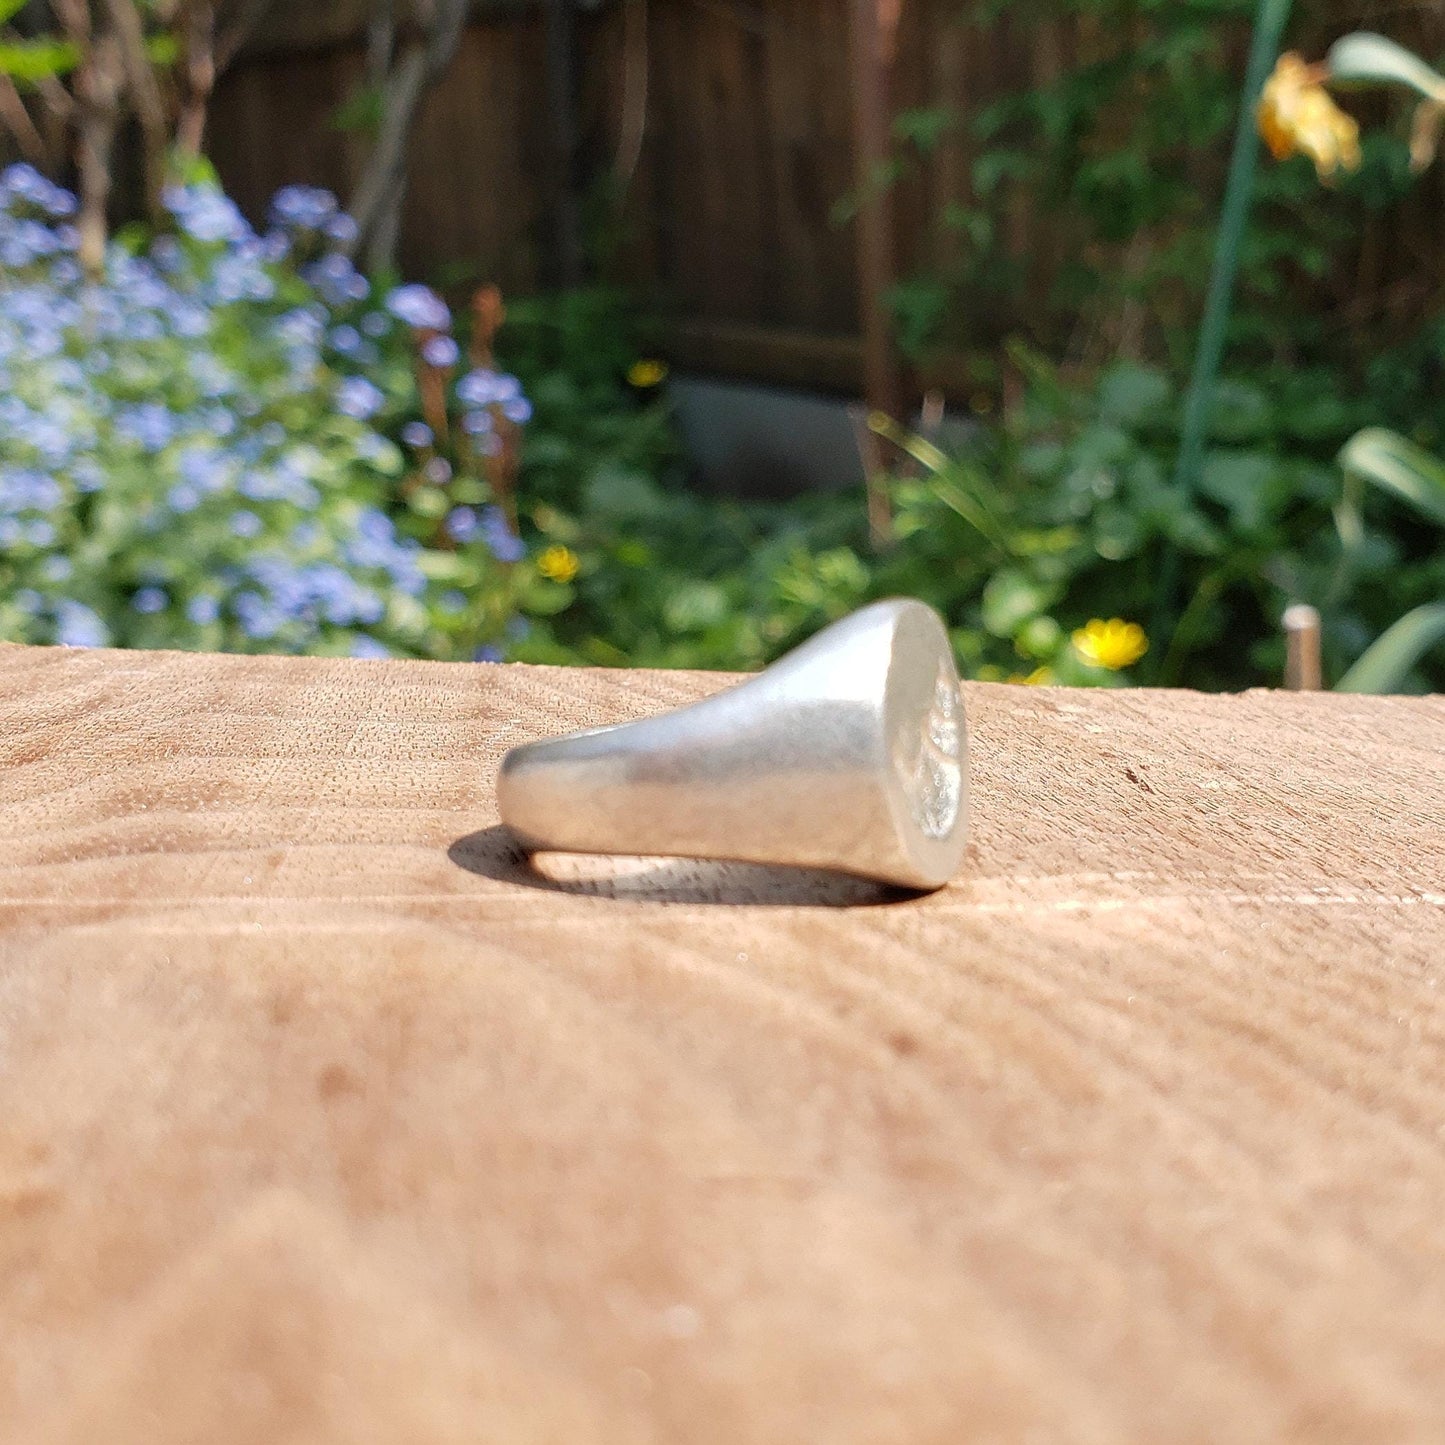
{"points": [[1109, 149], [361, 112], [194, 448], [1397, 467], [1057, 513], [1055, 516], [28, 62], [1366, 59], [1387, 664], [1121, 157]]}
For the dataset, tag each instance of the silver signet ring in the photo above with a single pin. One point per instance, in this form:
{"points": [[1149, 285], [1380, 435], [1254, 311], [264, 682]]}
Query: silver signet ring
{"points": [[850, 753]]}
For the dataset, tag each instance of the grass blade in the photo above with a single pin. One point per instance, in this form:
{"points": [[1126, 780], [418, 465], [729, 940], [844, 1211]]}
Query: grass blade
{"points": [[1386, 663], [1396, 465], [1365, 58]]}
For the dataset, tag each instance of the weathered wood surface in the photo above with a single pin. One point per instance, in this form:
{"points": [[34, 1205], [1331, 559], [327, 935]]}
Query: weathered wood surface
{"points": [[322, 1119]]}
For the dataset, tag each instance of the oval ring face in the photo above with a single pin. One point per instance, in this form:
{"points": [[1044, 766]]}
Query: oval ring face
{"points": [[930, 764]]}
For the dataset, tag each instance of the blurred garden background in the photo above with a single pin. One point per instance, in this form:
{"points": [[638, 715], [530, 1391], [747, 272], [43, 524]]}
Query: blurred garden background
{"points": [[663, 332]]}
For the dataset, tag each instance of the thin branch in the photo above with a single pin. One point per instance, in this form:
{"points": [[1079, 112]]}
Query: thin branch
{"points": [[98, 85], [145, 95], [198, 73], [380, 42], [74, 17], [18, 122], [376, 204], [58, 100], [57, 114]]}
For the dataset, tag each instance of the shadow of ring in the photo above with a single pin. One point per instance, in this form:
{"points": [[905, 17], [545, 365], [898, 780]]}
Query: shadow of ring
{"points": [[496, 853]]}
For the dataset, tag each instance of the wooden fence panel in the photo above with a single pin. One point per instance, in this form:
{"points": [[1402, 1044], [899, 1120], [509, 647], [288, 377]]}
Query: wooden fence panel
{"points": [[478, 188], [747, 149]]}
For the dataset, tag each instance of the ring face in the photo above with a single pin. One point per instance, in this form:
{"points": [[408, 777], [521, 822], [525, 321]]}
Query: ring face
{"points": [[929, 761], [850, 753]]}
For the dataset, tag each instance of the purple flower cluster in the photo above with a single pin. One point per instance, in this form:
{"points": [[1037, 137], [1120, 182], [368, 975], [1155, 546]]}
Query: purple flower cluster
{"points": [[206, 215], [420, 308], [490, 524], [357, 397], [337, 281], [196, 425], [298, 209], [480, 389]]}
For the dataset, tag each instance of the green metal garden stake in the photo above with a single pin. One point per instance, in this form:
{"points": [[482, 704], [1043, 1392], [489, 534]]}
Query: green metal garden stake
{"points": [[1269, 23]]}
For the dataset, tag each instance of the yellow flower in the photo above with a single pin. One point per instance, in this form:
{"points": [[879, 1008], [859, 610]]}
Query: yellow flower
{"points": [[1297, 116], [1039, 677], [1113, 644], [558, 563], [647, 373]]}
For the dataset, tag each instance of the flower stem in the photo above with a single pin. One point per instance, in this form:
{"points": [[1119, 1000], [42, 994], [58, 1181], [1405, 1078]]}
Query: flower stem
{"points": [[1269, 23]]}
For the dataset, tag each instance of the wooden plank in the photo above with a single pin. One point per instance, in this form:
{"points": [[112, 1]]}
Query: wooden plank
{"points": [[830, 162], [341, 24], [790, 358], [455, 209], [323, 1118], [872, 56], [748, 148], [791, 169], [807, 359], [272, 124]]}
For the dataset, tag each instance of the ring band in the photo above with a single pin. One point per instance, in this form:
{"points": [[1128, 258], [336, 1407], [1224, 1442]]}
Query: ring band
{"points": [[850, 754]]}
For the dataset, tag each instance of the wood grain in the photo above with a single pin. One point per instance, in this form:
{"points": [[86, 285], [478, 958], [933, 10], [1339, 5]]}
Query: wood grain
{"points": [[323, 1118]]}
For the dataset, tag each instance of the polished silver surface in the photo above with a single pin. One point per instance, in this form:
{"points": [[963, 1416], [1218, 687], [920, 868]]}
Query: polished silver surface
{"points": [[849, 753]]}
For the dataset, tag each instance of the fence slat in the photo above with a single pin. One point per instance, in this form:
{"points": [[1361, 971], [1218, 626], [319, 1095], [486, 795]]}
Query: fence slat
{"points": [[748, 148]]}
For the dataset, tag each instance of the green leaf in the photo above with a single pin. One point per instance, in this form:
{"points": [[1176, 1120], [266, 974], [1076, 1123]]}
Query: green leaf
{"points": [[925, 127], [1129, 394], [548, 599], [163, 49], [1241, 481], [695, 606], [919, 306], [360, 113], [623, 494], [1387, 662], [194, 170], [429, 502], [1364, 58], [1396, 465], [1240, 411], [11, 8], [993, 168], [29, 61], [1010, 599], [1118, 533]]}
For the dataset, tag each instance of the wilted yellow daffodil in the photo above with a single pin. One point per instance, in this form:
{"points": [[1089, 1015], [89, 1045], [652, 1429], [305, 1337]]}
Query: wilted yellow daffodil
{"points": [[558, 563], [1113, 644], [646, 373], [1297, 116]]}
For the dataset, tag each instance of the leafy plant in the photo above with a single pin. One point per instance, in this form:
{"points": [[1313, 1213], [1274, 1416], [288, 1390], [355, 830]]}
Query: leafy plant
{"points": [[77, 73], [197, 451], [1398, 467], [1039, 537], [1297, 114]]}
